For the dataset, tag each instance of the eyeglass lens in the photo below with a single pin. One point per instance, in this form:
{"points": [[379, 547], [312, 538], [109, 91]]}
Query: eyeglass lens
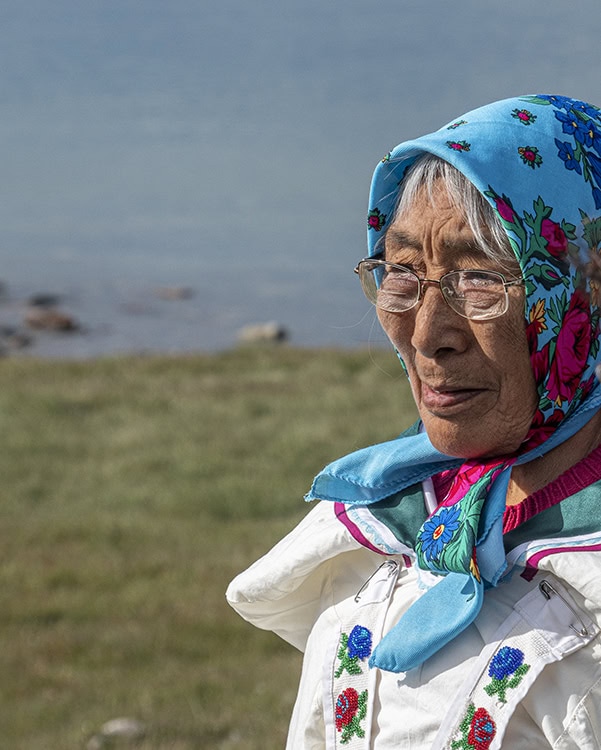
{"points": [[473, 294]]}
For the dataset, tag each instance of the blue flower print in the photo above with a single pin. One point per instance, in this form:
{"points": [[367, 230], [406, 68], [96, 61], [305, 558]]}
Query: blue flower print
{"points": [[438, 531], [587, 109], [584, 130], [586, 134], [592, 136], [594, 163], [589, 135], [566, 154], [359, 642], [570, 122], [559, 101]]}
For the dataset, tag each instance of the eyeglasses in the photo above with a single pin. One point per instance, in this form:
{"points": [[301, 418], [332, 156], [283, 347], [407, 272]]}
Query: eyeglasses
{"points": [[471, 293]]}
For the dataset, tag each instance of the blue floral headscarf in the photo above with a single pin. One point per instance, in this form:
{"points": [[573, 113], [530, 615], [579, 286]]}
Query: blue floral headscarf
{"points": [[537, 161]]}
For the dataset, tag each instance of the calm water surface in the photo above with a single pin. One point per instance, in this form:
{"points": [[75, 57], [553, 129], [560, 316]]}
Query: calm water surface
{"points": [[228, 148]]}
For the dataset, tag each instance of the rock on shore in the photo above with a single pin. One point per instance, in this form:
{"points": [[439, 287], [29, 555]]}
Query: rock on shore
{"points": [[258, 333]]}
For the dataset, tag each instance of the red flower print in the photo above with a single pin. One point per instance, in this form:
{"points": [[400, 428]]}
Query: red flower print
{"points": [[532, 336], [462, 482], [539, 362], [470, 473], [525, 117], [530, 156], [376, 219], [557, 242], [459, 145], [482, 730], [505, 209], [541, 429], [572, 349]]}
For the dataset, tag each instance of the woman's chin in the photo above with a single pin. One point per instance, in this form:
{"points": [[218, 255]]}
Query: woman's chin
{"points": [[470, 443]]}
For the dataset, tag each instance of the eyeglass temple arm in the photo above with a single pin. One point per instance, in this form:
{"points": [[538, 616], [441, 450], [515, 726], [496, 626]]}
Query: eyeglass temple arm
{"points": [[376, 256]]}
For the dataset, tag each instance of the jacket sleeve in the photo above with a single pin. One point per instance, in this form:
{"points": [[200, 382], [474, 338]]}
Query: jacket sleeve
{"points": [[316, 565], [583, 731]]}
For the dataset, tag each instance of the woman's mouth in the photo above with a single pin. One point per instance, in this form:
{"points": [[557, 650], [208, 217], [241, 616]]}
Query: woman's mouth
{"points": [[447, 399]]}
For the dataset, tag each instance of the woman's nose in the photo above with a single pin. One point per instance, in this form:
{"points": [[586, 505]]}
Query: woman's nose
{"points": [[436, 326]]}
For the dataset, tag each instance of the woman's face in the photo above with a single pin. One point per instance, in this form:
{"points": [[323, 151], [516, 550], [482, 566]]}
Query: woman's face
{"points": [[471, 380]]}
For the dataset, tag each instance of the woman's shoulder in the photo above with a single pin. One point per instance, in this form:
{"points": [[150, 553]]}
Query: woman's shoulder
{"points": [[318, 563]]}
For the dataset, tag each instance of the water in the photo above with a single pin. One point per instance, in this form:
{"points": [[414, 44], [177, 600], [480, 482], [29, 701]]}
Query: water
{"points": [[228, 148]]}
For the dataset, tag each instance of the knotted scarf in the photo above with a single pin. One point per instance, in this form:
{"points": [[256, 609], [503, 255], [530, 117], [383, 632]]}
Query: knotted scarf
{"points": [[537, 161]]}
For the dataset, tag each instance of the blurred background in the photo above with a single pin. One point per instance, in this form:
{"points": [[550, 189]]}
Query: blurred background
{"points": [[175, 171]]}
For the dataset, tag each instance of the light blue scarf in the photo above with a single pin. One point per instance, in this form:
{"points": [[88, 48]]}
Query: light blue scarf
{"points": [[537, 160]]}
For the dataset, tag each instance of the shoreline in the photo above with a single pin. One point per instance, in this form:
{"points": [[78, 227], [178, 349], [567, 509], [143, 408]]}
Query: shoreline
{"points": [[89, 321]]}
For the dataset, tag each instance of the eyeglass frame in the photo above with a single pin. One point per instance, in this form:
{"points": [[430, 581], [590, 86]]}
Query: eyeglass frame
{"points": [[422, 282]]}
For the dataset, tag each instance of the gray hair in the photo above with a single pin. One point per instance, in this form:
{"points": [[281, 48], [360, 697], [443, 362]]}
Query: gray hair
{"points": [[488, 231]]}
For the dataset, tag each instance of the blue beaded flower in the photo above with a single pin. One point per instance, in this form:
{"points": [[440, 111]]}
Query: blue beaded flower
{"points": [[359, 642], [506, 669], [353, 648], [505, 662]]}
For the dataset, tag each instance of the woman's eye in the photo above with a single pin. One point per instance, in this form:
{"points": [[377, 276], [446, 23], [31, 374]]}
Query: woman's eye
{"points": [[479, 279], [398, 281]]}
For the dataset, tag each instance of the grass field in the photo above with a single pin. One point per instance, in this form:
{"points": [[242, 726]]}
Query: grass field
{"points": [[133, 490]]}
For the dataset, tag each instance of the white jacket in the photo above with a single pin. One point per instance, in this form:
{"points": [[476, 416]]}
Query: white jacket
{"points": [[525, 674]]}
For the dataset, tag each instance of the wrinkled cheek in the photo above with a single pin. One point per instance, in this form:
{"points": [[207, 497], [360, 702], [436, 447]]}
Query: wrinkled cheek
{"points": [[399, 329], [389, 323]]}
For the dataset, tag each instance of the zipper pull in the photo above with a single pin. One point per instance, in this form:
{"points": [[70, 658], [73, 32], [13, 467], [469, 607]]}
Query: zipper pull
{"points": [[380, 583], [547, 590]]}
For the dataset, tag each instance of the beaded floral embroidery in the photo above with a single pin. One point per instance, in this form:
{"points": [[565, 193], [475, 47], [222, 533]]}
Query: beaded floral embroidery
{"points": [[350, 711], [506, 669], [477, 729], [354, 647]]}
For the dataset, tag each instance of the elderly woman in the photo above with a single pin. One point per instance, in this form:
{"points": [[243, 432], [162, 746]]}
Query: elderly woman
{"points": [[447, 588]]}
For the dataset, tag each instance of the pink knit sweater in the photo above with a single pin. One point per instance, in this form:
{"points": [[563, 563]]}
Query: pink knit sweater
{"points": [[573, 480]]}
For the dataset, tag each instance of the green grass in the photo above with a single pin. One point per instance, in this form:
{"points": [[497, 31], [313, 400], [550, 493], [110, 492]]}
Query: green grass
{"points": [[133, 490]]}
